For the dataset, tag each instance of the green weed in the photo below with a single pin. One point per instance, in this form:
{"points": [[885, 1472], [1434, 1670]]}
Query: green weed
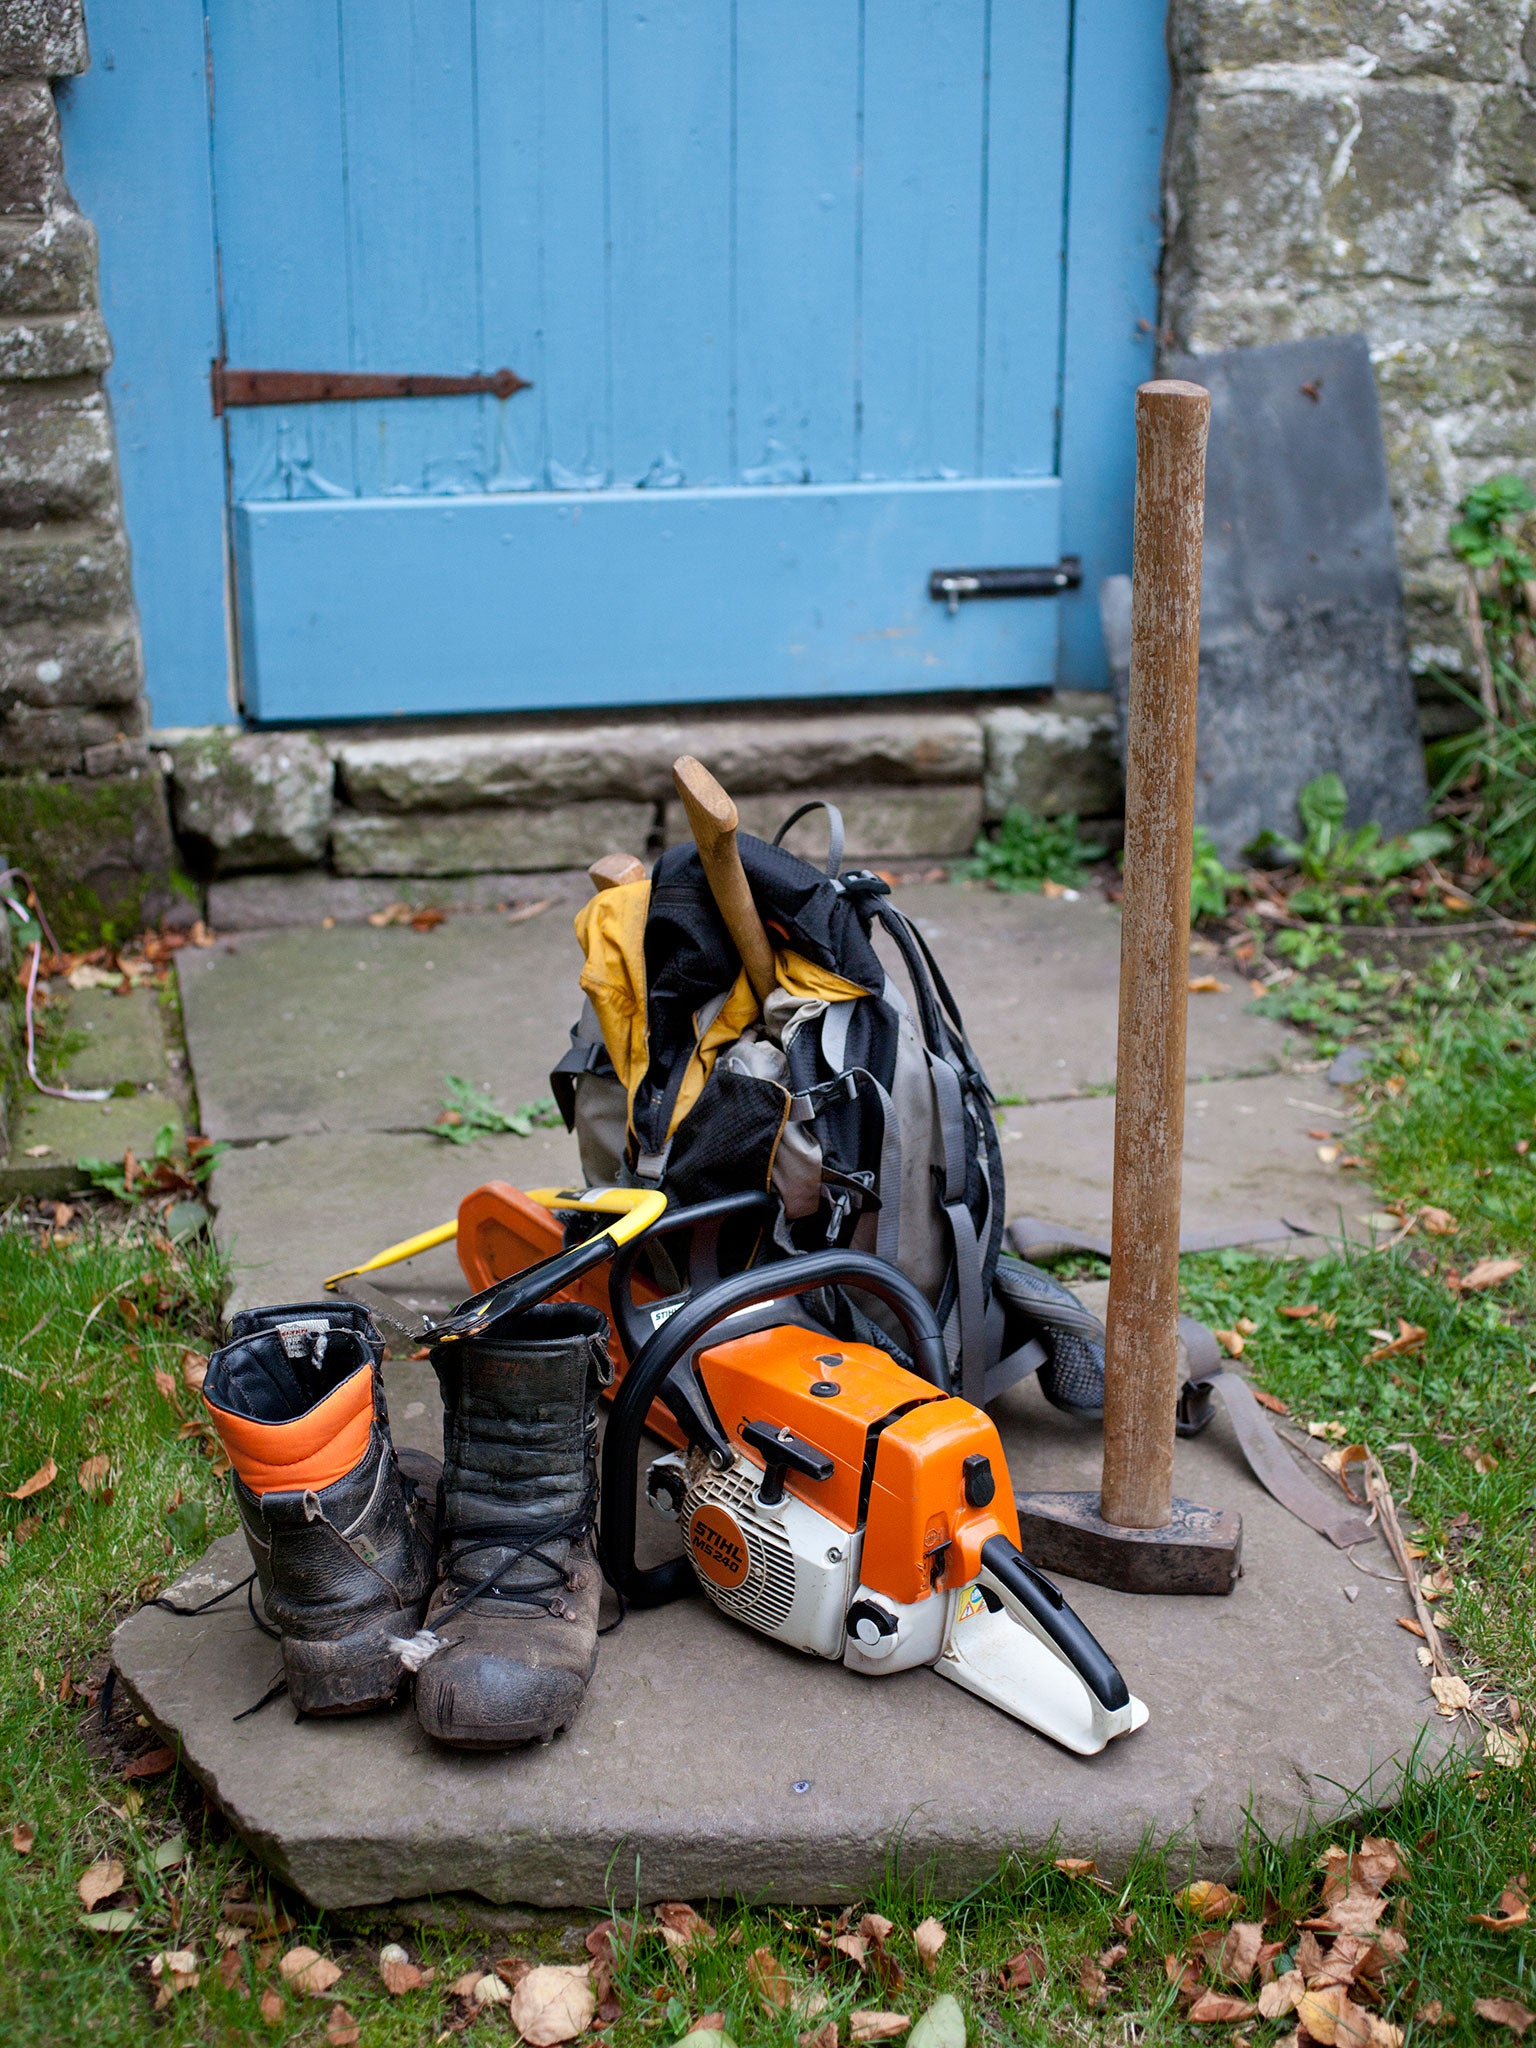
{"points": [[469, 1113], [1026, 852]]}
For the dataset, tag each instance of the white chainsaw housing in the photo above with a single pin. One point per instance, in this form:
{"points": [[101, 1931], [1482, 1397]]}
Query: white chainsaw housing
{"points": [[799, 1582]]}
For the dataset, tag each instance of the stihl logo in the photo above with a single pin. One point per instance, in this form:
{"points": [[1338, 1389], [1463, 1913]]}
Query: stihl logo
{"points": [[718, 1546]]}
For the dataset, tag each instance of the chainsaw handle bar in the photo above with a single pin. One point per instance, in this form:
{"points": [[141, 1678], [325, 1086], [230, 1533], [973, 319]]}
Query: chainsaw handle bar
{"points": [[1042, 1609], [679, 1335], [633, 1323]]}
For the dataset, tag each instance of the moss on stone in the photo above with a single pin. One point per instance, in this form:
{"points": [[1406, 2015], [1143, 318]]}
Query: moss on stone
{"points": [[98, 851]]}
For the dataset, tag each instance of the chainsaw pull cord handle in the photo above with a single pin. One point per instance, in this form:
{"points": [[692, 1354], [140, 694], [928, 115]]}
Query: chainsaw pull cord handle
{"points": [[632, 1322], [678, 1335], [1038, 1606]]}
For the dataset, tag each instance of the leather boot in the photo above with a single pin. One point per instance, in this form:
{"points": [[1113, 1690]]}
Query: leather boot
{"points": [[511, 1634], [341, 1536]]}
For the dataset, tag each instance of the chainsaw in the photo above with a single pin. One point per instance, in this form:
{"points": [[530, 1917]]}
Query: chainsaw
{"points": [[827, 1496]]}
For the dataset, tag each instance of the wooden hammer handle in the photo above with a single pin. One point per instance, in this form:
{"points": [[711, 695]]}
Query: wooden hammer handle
{"points": [[712, 818], [615, 871]]}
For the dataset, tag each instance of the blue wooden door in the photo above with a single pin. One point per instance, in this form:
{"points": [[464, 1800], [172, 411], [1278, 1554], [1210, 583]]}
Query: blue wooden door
{"points": [[786, 278]]}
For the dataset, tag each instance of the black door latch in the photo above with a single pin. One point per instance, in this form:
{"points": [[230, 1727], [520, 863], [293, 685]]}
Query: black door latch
{"points": [[949, 586]]}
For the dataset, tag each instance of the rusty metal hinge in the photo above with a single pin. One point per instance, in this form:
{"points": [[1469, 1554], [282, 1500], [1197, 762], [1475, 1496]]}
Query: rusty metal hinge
{"points": [[317, 387]]}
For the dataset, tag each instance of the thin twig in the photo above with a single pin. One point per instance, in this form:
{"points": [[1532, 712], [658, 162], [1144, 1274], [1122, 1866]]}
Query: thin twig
{"points": [[1380, 1493], [1487, 695]]}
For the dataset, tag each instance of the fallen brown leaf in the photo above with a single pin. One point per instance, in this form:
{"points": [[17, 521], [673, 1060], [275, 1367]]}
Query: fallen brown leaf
{"points": [[1239, 1956], [553, 2003], [1438, 1222], [1092, 1984], [854, 1946], [1077, 1866], [1410, 1337], [1221, 2008], [769, 1979], [464, 1987], [154, 1763], [270, 2005], [488, 1989], [23, 1835], [1206, 985], [194, 1369], [45, 1475], [308, 1971], [1353, 1912], [1231, 1341], [1452, 1693], [1297, 1312], [681, 1927], [824, 2036], [94, 1472], [104, 1877], [398, 1972], [230, 1971], [1282, 1996], [1023, 1970], [928, 1938], [1208, 1899], [1513, 1910], [1268, 1400], [1505, 2012], [341, 2030], [876, 1928], [598, 1943], [1488, 1273], [877, 2026]]}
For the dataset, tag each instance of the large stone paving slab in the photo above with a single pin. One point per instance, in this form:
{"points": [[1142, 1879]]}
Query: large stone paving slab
{"points": [[353, 1029], [717, 1762]]}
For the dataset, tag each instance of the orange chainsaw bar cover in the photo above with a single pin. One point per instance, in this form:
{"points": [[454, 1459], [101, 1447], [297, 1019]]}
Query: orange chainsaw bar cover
{"points": [[309, 1453]]}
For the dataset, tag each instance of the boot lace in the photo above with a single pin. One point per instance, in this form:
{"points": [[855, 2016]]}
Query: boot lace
{"points": [[519, 1540]]}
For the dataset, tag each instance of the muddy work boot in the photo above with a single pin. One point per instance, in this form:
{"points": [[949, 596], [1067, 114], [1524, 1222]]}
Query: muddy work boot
{"points": [[511, 1633], [341, 1536]]}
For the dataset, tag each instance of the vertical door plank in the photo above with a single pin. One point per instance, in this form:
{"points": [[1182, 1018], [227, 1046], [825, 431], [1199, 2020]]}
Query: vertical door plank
{"points": [[797, 64], [669, 198], [543, 234], [408, 81], [1023, 249], [924, 83], [280, 195]]}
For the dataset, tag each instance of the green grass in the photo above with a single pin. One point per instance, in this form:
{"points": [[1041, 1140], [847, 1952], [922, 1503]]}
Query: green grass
{"points": [[1452, 1091]]}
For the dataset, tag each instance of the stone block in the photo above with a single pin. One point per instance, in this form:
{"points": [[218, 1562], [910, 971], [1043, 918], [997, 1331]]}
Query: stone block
{"points": [[58, 740], [54, 345], [1464, 39], [50, 662], [513, 841], [120, 756], [55, 454], [545, 764], [99, 850], [42, 39], [1049, 760], [938, 819], [31, 166], [310, 896], [69, 570], [1504, 142], [251, 799], [47, 266]]}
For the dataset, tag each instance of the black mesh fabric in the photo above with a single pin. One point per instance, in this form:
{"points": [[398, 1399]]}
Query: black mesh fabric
{"points": [[726, 1142]]}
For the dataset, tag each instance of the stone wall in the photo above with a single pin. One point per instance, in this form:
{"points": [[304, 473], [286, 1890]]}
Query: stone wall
{"points": [[72, 711], [1343, 166]]}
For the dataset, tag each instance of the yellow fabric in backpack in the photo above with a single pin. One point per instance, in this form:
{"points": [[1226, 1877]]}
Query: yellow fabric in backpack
{"points": [[611, 930]]}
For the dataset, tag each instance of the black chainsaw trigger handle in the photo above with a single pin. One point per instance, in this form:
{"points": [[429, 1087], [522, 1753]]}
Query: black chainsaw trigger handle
{"points": [[678, 1336], [705, 1220], [1013, 1574]]}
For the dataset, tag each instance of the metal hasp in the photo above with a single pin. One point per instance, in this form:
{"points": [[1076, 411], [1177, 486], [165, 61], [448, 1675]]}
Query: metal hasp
{"points": [[949, 586], [318, 387]]}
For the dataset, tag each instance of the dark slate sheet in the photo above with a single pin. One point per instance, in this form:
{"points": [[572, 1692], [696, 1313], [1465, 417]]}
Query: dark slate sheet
{"points": [[1303, 649]]}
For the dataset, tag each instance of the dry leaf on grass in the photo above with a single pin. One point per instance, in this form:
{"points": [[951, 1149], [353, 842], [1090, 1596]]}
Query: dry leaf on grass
{"points": [[1219, 2006], [23, 1835], [1410, 1337], [1513, 1910], [681, 1927], [1023, 1970], [1506, 1746], [104, 1877], [928, 1938], [854, 1946], [94, 1472], [174, 1969], [824, 2036], [464, 1987], [1270, 1401], [1297, 1312], [341, 2030], [1354, 1912], [154, 1763], [45, 1475], [1231, 1341], [877, 2026], [398, 1972], [768, 1978], [308, 1971], [1208, 1899], [230, 1970], [554, 2003], [1438, 1222], [598, 1943], [1092, 1984], [1487, 1273], [488, 1989], [1452, 1693], [1505, 2012], [270, 2006], [1239, 1956], [512, 1970], [941, 2026], [1282, 1996]]}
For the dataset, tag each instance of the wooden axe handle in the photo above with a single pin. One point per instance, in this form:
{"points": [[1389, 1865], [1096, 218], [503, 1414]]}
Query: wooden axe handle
{"points": [[712, 818], [614, 870]]}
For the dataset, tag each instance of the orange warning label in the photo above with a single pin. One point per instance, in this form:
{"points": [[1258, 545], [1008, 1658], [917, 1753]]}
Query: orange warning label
{"points": [[718, 1546]]}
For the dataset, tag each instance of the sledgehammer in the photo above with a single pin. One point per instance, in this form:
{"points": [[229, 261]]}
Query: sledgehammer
{"points": [[1134, 1535], [712, 818]]}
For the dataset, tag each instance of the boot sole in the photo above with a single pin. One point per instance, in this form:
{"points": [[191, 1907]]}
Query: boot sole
{"points": [[351, 1674]]}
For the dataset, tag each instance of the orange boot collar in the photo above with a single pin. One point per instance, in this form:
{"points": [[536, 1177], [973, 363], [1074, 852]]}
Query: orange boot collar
{"points": [[309, 1453]]}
